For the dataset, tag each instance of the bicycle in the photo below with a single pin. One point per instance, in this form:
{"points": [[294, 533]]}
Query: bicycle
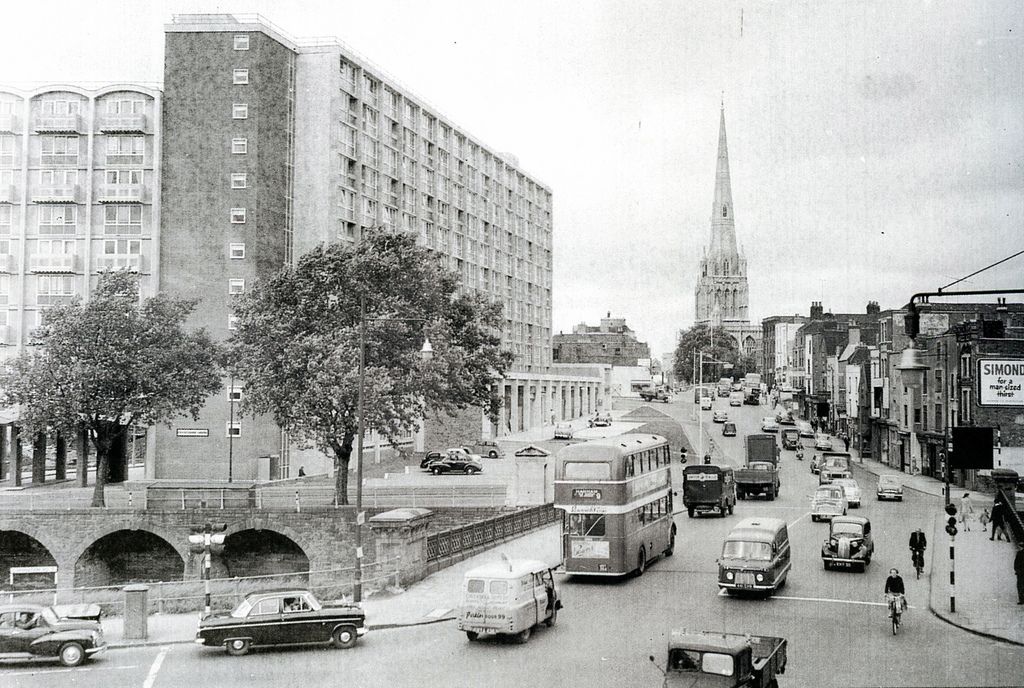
{"points": [[917, 556], [897, 603]]}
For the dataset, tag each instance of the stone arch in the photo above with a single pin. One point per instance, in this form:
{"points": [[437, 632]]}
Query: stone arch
{"points": [[252, 551], [127, 554], [19, 548], [749, 344]]}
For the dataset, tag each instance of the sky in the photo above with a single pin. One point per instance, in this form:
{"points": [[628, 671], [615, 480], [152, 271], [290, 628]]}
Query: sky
{"points": [[876, 148]]}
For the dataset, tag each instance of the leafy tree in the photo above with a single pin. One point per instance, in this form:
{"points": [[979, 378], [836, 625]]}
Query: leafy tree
{"points": [[721, 347], [297, 345], [109, 364]]}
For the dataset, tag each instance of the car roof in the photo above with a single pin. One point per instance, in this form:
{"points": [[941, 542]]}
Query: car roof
{"points": [[757, 529], [508, 569], [21, 608], [277, 591], [860, 520]]}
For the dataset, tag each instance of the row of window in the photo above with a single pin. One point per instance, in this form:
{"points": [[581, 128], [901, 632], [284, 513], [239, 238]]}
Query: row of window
{"points": [[61, 106], [65, 148], [62, 219], [69, 177], [647, 460]]}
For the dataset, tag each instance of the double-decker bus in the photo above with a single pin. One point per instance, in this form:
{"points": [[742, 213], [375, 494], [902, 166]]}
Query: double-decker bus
{"points": [[616, 495]]}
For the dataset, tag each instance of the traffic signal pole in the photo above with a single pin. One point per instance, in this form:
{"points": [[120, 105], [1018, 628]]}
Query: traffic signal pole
{"points": [[951, 529], [204, 540]]}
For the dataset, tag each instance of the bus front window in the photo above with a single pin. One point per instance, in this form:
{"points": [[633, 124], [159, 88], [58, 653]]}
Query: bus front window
{"points": [[588, 525]]}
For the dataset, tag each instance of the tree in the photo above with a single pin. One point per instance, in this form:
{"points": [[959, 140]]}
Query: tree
{"points": [[699, 338], [109, 364], [297, 345]]}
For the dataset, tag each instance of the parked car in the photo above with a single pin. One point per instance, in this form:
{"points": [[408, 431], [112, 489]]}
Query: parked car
{"points": [[728, 429], [889, 487], [828, 501], [30, 631], [706, 403], [822, 442], [456, 463], [768, 424], [720, 416], [805, 428], [785, 418], [488, 448], [849, 543], [851, 489], [462, 453], [282, 617], [602, 420], [563, 431]]}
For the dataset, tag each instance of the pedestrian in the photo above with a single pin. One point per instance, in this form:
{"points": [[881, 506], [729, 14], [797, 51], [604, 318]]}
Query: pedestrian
{"points": [[984, 519], [846, 441], [1018, 568], [999, 521], [966, 511], [302, 471]]}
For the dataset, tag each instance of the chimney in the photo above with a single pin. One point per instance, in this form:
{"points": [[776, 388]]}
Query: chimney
{"points": [[873, 308], [854, 334], [816, 310]]}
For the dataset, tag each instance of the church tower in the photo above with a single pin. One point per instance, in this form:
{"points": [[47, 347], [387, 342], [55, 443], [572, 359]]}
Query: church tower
{"points": [[721, 293]]}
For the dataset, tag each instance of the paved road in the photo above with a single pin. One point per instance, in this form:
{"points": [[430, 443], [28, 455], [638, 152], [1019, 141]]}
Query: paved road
{"points": [[837, 630]]}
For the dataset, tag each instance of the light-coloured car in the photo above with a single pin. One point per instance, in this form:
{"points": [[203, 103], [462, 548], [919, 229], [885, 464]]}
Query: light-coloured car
{"points": [[822, 442], [805, 428], [706, 403], [563, 431], [602, 420], [768, 424], [735, 398], [889, 487], [720, 416], [851, 489], [828, 501]]}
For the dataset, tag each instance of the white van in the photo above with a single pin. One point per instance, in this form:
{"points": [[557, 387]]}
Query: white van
{"points": [[508, 597], [735, 398]]}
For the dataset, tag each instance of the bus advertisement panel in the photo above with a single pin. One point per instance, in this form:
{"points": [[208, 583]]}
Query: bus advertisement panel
{"points": [[616, 495]]}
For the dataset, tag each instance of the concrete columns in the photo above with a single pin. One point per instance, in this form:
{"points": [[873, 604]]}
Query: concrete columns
{"points": [[61, 450], [82, 451]]}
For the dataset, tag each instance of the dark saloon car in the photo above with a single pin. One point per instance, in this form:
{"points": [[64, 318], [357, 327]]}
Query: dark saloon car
{"points": [[28, 631], [456, 463], [282, 617]]}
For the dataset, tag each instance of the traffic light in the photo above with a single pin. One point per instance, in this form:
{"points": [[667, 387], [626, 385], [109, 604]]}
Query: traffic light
{"points": [[682, 454], [951, 522]]}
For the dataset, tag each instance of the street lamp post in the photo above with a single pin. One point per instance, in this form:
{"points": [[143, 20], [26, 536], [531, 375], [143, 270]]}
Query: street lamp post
{"points": [[700, 388], [426, 352]]}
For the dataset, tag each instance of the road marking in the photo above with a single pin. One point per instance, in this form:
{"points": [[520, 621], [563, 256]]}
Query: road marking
{"points": [[799, 519], [723, 593], [77, 670], [155, 669]]}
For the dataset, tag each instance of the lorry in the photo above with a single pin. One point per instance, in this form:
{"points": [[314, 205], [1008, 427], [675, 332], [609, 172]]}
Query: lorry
{"points": [[651, 394], [724, 386], [723, 660], [760, 473], [708, 488], [790, 438]]}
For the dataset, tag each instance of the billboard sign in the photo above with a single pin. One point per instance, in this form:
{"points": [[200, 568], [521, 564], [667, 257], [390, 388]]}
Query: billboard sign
{"points": [[1000, 382]]}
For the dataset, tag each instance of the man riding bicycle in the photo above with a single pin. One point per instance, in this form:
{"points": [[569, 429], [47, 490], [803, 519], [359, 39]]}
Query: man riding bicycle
{"points": [[918, 543], [894, 589]]}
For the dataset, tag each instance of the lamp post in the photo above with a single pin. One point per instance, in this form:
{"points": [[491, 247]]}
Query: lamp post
{"points": [[700, 374], [426, 353]]}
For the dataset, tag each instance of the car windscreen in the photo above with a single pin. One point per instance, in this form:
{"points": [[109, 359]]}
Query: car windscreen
{"points": [[580, 470], [739, 549], [839, 529], [242, 610], [49, 616]]}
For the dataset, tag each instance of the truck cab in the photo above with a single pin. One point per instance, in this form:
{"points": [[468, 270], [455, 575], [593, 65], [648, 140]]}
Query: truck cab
{"points": [[723, 660]]}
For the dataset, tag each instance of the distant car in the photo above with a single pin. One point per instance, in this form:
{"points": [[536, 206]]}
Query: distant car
{"points": [[282, 617], [455, 452], [828, 501], [805, 428], [729, 429], [737, 387], [849, 543], [29, 631], [706, 403], [563, 431], [852, 490], [488, 448], [456, 463], [602, 420], [720, 416], [735, 398], [768, 424], [822, 442], [889, 487], [785, 418]]}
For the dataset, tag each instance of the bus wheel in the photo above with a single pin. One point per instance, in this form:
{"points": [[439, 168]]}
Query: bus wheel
{"points": [[671, 543], [641, 562]]}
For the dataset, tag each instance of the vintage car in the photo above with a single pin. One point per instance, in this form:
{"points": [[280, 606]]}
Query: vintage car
{"points": [[849, 543], [790, 439], [456, 462], [728, 429], [508, 597], [282, 617], [29, 631], [851, 489], [805, 429], [720, 416], [462, 453], [785, 418], [889, 487], [822, 442], [706, 403], [828, 501], [602, 420], [768, 424], [563, 431]]}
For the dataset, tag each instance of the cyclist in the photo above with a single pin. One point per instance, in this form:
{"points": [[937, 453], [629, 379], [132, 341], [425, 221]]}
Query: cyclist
{"points": [[895, 590], [918, 544]]}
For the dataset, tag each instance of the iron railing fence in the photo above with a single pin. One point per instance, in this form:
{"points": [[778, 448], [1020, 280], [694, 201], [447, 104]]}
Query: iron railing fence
{"points": [[465, 538]]}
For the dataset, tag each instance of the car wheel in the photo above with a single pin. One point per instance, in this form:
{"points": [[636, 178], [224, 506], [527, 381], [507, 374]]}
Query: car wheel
{"points": [[72, 654], [671, 543], [523, 635], [470, 470], [344, 637], [237, 647], [472, 635], [641, 562], [493, 453], [689, 512], [435, 470], [824, 564]]}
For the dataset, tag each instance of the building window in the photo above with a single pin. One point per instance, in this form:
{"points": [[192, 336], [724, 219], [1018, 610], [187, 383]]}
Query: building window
{"points": [[125, 107], [58, 177], [123, 176], [240, 111], [938, 417], [233, 429], [236, 286], [58, 150], [965, 406], [54, 289], [123, 150], [235, 393], [238, 180], [240, 146], [6, 213], [122, 247], [238, 216], [58, 219], [6, 150], [62, 107], [242, 42], [240, 77], [122, 219], [236, 251]]}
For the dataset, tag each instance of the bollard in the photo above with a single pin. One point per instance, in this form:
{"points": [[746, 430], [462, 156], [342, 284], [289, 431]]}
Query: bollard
{"points": [[136, 612]]}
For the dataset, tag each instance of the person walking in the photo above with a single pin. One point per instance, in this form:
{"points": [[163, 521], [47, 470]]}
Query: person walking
{"points": [[999, 521], [966, 511], [1018, 568]]}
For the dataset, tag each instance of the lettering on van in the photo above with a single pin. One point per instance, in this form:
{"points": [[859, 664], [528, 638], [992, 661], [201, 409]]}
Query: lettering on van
{"points": [[484, 617], [702, 476], [586, 493]]}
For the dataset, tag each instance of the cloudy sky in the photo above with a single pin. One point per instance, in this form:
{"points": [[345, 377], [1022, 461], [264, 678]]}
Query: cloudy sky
{"points": [[876, 147]]}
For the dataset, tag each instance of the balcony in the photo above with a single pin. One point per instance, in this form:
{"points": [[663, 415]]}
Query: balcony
{"points": [[130, 262], [59, 123], [121, 193], [8, 264], [9, 124], [59, 159], [8, 194], [125, 159], [52, 262], [123, 124], [56, 193]]}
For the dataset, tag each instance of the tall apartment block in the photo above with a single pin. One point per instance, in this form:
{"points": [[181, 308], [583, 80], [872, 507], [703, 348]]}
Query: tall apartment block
{"points": [[79, 195], [273, 146]]}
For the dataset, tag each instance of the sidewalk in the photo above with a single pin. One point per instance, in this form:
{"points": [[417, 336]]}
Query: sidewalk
{"points": [[986, 594], [430, 600]]}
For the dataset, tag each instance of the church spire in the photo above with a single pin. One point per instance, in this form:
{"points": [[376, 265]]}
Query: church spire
{"points": [[723, 226]]}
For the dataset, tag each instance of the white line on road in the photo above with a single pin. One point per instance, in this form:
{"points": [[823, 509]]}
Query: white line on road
{"points": [[723, 593], [77, 670], [799, 519], [155, 669]]}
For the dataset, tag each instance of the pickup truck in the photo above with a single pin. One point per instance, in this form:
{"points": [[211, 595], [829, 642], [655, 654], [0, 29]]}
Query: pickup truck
{"points": [[654, 395], [760, 474], [723, 660]]}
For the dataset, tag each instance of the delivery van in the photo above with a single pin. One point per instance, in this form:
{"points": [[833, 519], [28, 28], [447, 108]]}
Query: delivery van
{"points": [[508, 597]]}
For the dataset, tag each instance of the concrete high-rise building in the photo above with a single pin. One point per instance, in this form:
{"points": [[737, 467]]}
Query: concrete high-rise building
{"points": [[721, 294], [274, 146], [79, 195]]}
